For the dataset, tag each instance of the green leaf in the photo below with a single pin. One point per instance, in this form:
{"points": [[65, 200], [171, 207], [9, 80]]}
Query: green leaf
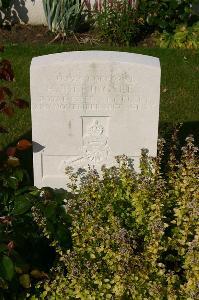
{"points": [[11, 182], [25, 281], [18, 174], [22, 191], [6, 268], [49, 211], [21, 205], [3, 248], [34, 191], [4, 286]]}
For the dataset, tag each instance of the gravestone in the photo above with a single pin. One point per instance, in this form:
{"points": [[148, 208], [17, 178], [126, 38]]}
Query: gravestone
{"points": [[90, 106]]}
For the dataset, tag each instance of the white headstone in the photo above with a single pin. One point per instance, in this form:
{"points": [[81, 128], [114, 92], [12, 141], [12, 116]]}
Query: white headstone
{"points": [[90, 106]]}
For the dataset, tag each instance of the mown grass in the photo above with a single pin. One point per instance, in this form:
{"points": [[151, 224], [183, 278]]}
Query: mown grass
{"points": [[179, 86]]}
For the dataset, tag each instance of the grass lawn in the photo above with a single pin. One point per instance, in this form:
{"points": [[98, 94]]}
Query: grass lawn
{"points": [[179, 86]]}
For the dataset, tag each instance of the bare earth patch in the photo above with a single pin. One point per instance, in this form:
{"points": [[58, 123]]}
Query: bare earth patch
{"points": [[40, 34]]}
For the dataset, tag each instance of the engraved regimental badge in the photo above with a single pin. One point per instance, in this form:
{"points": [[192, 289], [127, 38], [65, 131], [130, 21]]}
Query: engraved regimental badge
{"points": [[95, 143]]}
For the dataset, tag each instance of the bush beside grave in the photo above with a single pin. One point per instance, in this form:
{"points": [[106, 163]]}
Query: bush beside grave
{"points": [[134, 235], [25, 255], [127, 22], [119, 22], [120, 236], [182, 37], [166, 15]]}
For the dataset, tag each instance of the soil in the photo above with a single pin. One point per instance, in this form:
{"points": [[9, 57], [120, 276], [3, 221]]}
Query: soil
{"points": [[40, 34], [25, 34]]}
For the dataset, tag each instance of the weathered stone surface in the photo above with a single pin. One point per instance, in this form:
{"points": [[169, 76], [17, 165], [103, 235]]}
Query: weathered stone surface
{"points": [[88, 107]]}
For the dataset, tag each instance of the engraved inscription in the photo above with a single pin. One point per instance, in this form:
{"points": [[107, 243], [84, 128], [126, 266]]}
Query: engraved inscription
{"points": [[95, 143], [76, 106], [76, 91]]}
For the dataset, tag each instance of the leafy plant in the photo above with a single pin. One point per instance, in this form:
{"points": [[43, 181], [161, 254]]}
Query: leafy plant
{"points": [[117, 21], [63, 15], [23, 250], [183, 37], [14, 202], [166, 14], [134, 235], [25, 255]]}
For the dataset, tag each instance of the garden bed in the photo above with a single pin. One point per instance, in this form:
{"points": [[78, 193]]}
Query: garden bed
{"points": [[29, 34], [25, 34]]}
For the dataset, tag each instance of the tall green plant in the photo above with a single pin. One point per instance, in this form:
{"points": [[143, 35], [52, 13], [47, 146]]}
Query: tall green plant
{"points": [[62, 15], [117, 21]]}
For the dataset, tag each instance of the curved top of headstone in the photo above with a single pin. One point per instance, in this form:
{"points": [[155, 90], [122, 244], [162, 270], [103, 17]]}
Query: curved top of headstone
{"points": [[110, 56]]}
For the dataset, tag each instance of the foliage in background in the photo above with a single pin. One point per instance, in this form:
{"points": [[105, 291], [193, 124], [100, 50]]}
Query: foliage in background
{"points": [[117, 21], [134, 235], [127, 22], [64, 16], [166, 15], [183, 37]]}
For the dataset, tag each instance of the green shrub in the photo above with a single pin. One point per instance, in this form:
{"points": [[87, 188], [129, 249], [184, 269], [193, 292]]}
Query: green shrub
{"points": [[25, 254], [183, 37], [134, 235], [166, 14], [127, 22], [117, 21]]}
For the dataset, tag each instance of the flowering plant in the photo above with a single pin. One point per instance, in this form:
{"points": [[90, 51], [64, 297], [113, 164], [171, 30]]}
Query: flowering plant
{"points": [[134, 235]]}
